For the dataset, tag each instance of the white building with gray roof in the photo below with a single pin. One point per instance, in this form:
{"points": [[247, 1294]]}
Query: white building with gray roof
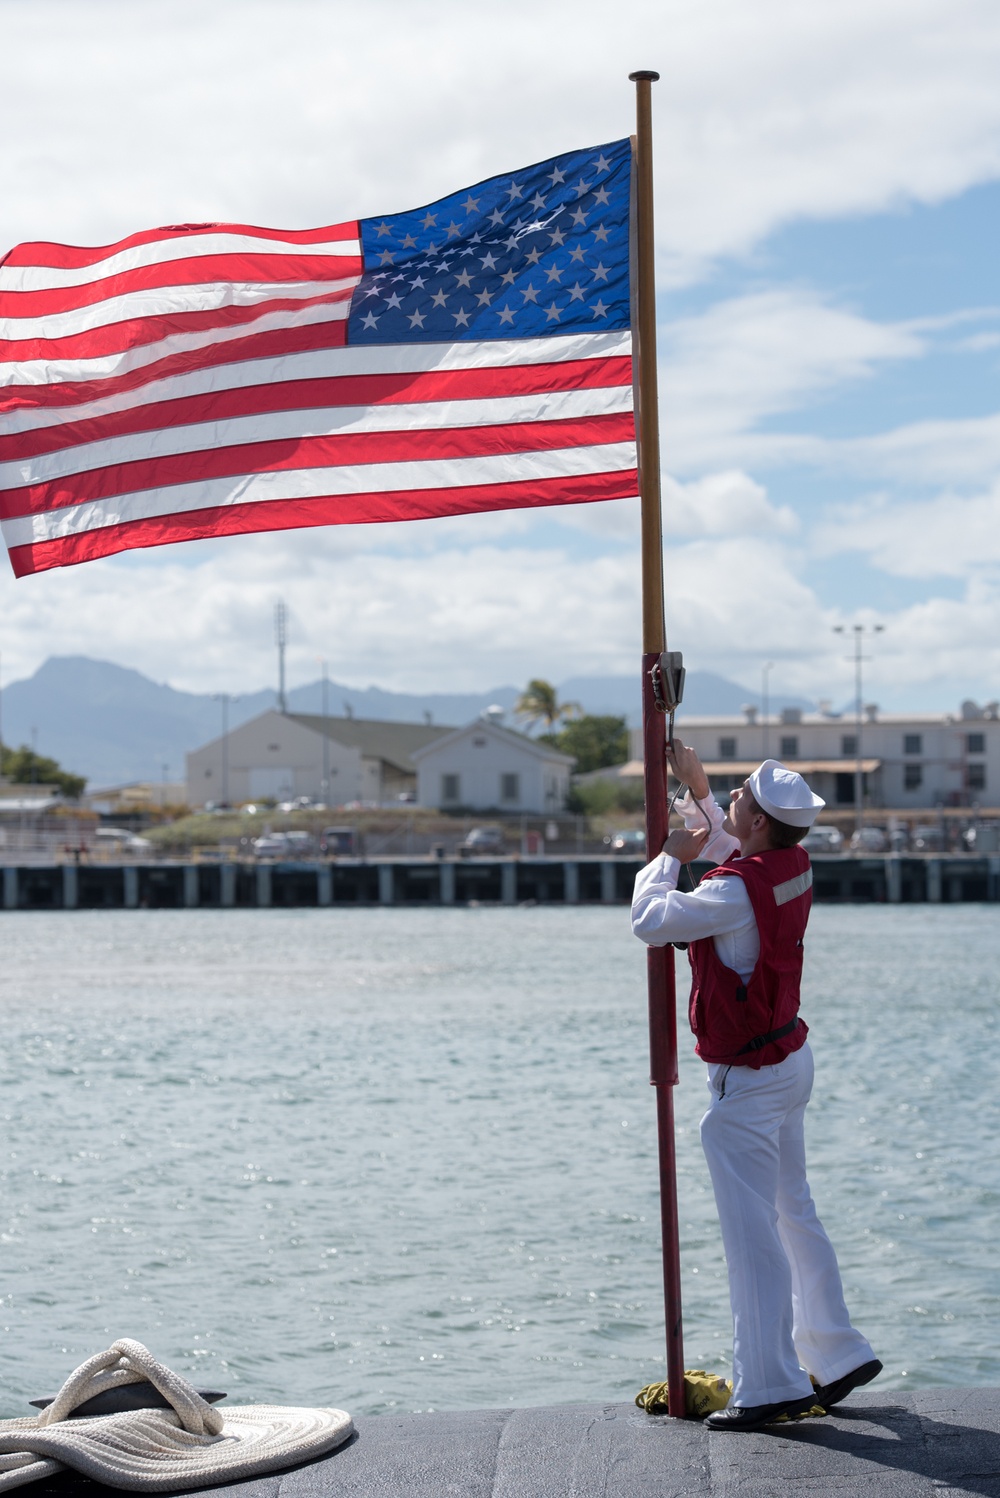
{"points": [[485, 768], [279, 756]]}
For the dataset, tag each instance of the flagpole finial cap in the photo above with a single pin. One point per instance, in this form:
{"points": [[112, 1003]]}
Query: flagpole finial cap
{"points": [[643, 75]]}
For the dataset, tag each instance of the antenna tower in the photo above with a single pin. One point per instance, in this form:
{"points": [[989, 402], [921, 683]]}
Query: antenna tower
{"points": [[280, 637]]}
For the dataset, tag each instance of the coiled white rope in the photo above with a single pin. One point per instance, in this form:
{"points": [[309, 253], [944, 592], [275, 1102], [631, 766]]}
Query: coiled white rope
{"points": [[189, 1445]]}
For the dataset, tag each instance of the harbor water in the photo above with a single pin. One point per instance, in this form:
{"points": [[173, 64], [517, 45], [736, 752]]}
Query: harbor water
{"points": [[405, 1158]]}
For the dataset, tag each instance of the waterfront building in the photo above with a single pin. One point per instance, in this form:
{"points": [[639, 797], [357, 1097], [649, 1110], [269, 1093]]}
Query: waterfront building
{"points": [[280, 756], [484, 767], [908, 761]]}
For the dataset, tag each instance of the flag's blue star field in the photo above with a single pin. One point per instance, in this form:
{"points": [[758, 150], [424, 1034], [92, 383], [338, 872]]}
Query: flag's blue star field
{"points": [[543, 251]]}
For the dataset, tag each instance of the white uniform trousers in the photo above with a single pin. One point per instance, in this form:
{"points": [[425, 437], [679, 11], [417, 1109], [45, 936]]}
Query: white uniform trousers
{"points": [[789, 1316]]}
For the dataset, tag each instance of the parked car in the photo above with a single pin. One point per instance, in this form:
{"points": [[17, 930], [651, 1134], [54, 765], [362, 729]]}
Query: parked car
{"points": [[299, 844], [270, 845], [340, 841], [868, 840], [629, 840], [120, 840], [983, 838], [928, 839], [823, 839], [480, 841]]}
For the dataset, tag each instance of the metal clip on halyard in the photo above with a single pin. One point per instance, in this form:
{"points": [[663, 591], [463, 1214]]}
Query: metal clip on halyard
{"points": [[667, 675]]}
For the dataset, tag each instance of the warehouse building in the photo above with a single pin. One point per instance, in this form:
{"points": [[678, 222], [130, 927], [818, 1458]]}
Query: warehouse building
{"points": [[907, 760], [280, 756]]}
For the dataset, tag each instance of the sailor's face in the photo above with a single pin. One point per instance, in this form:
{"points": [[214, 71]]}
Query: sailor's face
{"points": [[742, 810]]}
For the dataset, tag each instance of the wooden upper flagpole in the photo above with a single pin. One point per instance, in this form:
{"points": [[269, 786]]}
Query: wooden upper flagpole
{"points": [[660, 960]]}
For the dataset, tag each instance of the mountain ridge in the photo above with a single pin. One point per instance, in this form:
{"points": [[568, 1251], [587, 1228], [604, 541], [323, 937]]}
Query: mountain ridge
{"points": [[114, 724]]}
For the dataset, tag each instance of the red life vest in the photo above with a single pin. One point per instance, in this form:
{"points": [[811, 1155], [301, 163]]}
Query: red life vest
{"points": [[734, 1022]]}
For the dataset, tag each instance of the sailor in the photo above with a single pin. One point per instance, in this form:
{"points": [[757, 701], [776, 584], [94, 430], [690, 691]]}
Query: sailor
{"points": [[745, 924]]}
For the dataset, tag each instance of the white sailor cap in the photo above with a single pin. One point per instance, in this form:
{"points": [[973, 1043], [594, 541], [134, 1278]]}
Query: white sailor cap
{"points": [[784, 795]]}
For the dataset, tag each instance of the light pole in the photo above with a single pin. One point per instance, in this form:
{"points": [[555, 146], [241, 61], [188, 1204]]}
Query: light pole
{"points": [[225, 698], [765, 705], [325, 784], [280, 639], [859, 631]]}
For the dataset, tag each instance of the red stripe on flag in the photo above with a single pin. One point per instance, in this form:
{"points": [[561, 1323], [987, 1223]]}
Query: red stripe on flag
{"points": [[271, 344], [74, 257], [421, 445], [326, 393], [348, 509]]}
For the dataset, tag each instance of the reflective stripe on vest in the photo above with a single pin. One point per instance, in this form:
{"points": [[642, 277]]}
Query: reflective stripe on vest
{"points": [[793, 887]]}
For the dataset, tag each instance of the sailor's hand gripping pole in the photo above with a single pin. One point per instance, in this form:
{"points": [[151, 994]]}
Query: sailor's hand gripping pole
{"points": [[656, 682]]}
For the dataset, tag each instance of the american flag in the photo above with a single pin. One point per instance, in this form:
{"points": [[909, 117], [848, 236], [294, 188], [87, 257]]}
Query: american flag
{"points": [[212, 379]]}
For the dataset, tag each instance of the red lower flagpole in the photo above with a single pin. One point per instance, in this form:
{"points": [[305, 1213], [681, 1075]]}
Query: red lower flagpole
{"points": [[660, 960]]}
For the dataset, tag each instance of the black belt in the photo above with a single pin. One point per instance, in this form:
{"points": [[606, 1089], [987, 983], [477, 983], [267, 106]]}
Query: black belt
{"points": [[760, 1041]]}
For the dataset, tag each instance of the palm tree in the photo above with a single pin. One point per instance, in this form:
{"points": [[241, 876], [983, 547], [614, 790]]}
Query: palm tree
{"points": [[539, 703]]}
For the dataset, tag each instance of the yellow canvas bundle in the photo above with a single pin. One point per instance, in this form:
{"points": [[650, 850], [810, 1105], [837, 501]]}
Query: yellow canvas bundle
{"points": [[703, 1393]]}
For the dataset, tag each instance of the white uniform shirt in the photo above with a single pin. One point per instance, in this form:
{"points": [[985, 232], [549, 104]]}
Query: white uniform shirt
{"points": [[720, 908]]}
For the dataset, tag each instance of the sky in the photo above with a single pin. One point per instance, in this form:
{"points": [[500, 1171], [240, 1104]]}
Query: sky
{"points": [[827, 182]]}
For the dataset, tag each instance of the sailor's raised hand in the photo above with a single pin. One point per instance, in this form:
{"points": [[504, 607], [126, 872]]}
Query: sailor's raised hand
{"points": [[686, 767], [686, 844]]}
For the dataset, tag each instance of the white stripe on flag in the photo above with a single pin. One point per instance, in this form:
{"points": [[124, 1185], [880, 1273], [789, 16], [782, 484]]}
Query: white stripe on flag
{"points": [[372, 359], [312, 483], [56, 372], [161, 301], [277, 426]]}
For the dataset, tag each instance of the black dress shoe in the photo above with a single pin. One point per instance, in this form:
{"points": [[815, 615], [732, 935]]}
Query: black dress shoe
{"points": [[753, 1416], [830, 1394]]}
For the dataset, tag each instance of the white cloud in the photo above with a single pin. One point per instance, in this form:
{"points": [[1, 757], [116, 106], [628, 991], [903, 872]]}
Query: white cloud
{"points": [[722, 504], [955, 451], [729, 503], [947, 536], [458, 616], [751, 357], [468, 614], [118, 116], [455, 616]]}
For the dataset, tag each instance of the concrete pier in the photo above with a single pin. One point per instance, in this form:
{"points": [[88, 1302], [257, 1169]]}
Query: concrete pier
{"points": [[897, 879], [934, 1443]]}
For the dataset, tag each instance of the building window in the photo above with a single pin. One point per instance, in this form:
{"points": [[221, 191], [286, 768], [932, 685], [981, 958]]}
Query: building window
{"points": [[510, 787], [480, 741], [975, 743], [913, 743], [450, 787], [913, 777], [848, 744], [727, 748], [845, 790], [789, 746], [977, 777]]}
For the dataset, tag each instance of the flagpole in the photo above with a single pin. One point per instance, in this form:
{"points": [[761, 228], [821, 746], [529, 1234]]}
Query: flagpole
{"points": [[660, 960]]}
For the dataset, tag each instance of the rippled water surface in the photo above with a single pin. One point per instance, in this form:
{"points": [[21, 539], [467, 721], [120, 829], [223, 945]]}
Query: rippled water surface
{"points": [[406, 1158]]}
